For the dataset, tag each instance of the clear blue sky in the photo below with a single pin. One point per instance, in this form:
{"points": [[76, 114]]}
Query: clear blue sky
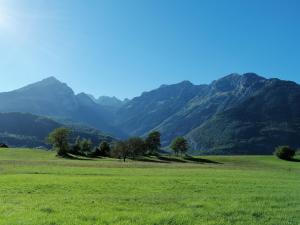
{"points": [[124, 47]]}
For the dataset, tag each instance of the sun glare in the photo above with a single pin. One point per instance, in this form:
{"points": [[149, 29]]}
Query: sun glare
{"points": [[2, 19], [8, 20], [5, 20]]}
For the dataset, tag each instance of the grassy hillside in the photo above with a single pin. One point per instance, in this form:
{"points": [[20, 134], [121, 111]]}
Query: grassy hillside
{"points": [[39, 189]]}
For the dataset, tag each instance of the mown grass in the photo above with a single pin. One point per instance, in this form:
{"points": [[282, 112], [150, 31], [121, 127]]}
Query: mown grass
{"points": [[36, 188]]}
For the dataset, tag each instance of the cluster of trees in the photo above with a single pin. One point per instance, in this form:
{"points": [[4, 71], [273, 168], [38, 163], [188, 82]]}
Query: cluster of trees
{"points": [[285, 152], [59, 139], [131, 148], [136, 146]]}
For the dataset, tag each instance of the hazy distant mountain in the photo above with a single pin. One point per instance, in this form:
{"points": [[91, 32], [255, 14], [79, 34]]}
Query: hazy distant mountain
{"points": [[235, 114], [109, 101], [27, 130], [142, 114], [51, 97]]}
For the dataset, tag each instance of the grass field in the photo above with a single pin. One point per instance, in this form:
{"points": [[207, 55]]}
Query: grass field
{"points": [[36, 188]]}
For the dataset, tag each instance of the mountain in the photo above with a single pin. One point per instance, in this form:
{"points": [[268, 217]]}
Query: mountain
{"points": [[214, 98], [143, 113], [110, 101], [177, 109], [27, 130], [236, 114], [268, 118], [50, 97]]}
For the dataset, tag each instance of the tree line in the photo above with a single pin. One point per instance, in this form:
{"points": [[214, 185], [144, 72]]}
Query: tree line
{"points": [[130, 148]]}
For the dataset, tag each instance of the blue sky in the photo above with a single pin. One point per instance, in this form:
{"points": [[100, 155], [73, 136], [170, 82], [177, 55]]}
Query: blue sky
{"points": [[125, 47]]}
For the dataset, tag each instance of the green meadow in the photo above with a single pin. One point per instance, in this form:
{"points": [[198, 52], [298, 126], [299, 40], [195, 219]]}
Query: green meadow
{"points": [[37, 188]]}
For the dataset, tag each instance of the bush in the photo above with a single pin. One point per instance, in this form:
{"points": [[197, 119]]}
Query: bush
{"points": [[285, 152], [2, 145]]}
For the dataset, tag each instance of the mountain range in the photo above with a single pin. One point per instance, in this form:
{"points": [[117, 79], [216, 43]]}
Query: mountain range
{"points": [[237, 114]]}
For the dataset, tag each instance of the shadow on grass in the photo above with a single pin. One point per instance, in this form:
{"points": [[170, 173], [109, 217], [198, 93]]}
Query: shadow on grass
{"points": [[169, 159], [74, 157], [200, 160], [294, 160], [156, 159], [150, 160]]}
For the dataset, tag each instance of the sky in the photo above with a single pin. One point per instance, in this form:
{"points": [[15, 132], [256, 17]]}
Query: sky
{"points": [[124, 47]]}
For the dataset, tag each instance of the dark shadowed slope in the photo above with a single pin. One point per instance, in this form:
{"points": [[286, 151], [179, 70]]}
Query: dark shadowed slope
{"points": [[263, 121], [51, 97], [27, 130]]}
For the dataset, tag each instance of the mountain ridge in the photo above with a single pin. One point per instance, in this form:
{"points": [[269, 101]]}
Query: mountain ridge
{"points": [[181, 109]]}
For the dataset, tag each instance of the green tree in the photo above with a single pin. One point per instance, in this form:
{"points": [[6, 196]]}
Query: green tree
{"points": [[86, 146], [180, 144], [121, 150], [76, 147], [104, 149], [59, 140], [136, 146], [285, 152], [152, 142]]}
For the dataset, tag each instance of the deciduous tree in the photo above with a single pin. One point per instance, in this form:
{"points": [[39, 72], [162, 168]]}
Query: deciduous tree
{"points": [[180, 144], [59, 140], [152, 142]]}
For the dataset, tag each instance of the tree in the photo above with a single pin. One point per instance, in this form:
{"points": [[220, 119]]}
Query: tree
{"points": [[2, 145], [59, 140], [136, 146], [85, 145], [121, 150], [180, 144], [285, 152], [76, 147], [152, 142], [104, 149]]}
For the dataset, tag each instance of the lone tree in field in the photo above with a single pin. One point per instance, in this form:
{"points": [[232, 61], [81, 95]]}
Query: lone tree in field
{"points": [[104, 149], [59, 140], [152, 142], [180, 144], [285, 152]]}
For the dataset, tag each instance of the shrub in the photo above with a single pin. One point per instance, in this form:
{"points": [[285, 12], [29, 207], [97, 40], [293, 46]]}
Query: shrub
{"points": [[285, 152], [2, 145]]}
